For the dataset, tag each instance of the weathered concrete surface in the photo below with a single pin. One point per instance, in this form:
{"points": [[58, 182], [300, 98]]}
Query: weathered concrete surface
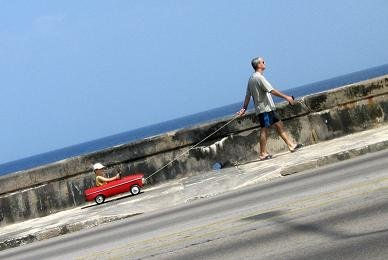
{"points": [[319, 117], [194, 187]]}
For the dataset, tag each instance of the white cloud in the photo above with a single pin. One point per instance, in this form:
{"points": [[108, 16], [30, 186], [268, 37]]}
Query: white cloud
{"points": [[49, 22]]}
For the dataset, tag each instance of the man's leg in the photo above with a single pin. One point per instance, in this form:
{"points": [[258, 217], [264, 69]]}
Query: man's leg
{"points": [[263, 142], [282, 133]]}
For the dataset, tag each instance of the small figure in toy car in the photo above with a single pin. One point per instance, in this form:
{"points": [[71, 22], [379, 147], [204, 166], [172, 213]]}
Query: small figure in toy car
{"points": [[99, 170]]}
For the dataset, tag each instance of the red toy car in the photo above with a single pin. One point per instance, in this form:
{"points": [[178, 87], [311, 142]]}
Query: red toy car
{"points": [[132, 183]]}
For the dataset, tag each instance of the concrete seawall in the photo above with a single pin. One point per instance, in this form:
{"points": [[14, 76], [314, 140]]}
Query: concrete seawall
{"points": [[323, 116]]}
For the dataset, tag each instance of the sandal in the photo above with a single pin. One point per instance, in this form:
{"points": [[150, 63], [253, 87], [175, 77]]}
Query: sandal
{"points": [[297, 147], [269, 156]]}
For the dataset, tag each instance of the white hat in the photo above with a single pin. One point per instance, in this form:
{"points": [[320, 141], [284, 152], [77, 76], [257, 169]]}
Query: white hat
{"points": [[98, 166]]}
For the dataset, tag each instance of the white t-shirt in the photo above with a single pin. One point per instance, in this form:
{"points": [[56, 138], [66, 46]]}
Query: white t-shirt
{"points": [[259, 88]]}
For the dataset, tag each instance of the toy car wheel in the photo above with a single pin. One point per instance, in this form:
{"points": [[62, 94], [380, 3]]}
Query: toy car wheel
{"points": [[100, 199], [135, 189]]}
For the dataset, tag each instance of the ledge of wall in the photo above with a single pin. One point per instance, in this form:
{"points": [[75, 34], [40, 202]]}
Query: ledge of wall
{"points": [[318, 117]]}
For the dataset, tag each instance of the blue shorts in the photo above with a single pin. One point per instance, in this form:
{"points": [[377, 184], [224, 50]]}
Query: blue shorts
{"points": [[268, 118]]}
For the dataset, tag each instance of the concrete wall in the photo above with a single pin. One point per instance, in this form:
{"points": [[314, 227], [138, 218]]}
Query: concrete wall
{"points": [[322, 116]]}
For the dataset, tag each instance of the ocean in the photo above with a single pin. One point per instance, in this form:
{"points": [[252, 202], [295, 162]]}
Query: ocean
{"points": [[179, 123]]}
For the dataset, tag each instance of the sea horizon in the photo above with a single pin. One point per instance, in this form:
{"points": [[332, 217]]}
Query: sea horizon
{"points": [[178, 123]]}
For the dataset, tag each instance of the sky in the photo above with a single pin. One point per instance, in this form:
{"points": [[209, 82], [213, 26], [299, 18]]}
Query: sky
{"points": [[75, 71]]}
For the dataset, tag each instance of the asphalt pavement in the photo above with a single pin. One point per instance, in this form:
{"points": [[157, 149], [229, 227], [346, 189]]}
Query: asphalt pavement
{"points": [[334, 212], [194, 188]]}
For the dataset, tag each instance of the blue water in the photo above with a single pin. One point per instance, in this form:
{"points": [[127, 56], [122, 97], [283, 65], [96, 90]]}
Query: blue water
{"points": [[179, 123]]}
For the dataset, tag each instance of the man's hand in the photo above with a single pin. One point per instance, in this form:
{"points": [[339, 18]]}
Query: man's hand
{"points": [[241, 112], [290, 100]]}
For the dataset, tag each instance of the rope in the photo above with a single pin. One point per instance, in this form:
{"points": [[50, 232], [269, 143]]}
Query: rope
{"points": [[179, 156], [301, 101], [207, 137]]}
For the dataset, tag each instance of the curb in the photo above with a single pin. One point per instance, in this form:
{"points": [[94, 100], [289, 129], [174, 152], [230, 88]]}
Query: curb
{"points": [[60, 230], [333, 158]]}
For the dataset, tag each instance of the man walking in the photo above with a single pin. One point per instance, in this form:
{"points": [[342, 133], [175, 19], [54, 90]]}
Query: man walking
{"points": [[260, 89]]}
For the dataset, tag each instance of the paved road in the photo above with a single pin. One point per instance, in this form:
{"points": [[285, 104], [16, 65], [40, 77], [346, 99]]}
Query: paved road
{"points": [[336, 212]]}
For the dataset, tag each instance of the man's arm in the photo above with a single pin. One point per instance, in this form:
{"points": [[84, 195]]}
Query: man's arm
{"points": [[268, 87], [245, 105], [280, 94]]}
